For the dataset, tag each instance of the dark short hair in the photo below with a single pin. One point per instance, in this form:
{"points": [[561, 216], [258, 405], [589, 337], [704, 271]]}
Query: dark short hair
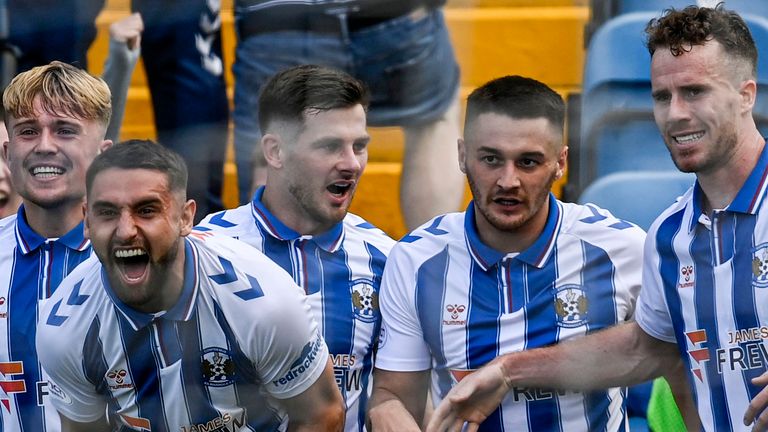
{"points": [[292, 93], [141, 154], [517, 97], [680, 30]]}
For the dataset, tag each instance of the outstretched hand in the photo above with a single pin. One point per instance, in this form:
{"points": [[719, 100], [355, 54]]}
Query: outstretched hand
{"points": [[472, 400], [757, 412]]}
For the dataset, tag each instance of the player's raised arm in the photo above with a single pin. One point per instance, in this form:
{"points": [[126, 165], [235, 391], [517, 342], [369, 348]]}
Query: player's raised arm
{"points": [[619, 356]]}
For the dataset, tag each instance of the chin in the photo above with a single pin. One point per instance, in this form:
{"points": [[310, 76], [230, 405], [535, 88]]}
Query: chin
{"points": [[506, 223]]}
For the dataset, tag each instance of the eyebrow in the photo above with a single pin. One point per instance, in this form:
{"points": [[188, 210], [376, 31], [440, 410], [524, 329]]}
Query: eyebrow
{"points": [[138, 204], [337, 141], [488, 150], [56, 123]]}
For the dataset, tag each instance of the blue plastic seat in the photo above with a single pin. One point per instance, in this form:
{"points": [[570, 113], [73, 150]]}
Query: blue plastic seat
{"points": [[629, 6], [615, 92], [617, 129], [637, 196], [754, 7]]}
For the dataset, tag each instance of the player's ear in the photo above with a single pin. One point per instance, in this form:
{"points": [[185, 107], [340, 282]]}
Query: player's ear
{"points": [[272, 146], [188, 217], [86, 229], [748, 92], [462, 155], [562, 161], [105, 144]]}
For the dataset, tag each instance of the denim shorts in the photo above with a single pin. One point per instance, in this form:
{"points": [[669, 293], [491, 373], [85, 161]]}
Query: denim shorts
{"points": [[408, 64]]}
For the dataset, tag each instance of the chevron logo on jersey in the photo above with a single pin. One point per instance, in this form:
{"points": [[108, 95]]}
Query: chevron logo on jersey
{"points": [[700, 355], [11, 386], [760, 266], [571, 306], [137, 423], [460, 374], [365, 300], [202, 235]]}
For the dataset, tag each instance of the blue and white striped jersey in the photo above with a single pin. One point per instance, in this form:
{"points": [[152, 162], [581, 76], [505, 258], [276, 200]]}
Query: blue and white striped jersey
{"points": [[451, 303], [31, 268], [240, 334], [705, 287], [340, 270]]}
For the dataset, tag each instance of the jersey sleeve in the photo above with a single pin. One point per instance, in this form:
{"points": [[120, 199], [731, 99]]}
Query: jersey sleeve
{"points": [[282, 337], [401, 341], [652, 311], [293, 354], [629, 271], [60, 351]]}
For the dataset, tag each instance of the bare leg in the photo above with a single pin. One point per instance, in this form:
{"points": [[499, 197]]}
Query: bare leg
{"points": [[431, 182]]}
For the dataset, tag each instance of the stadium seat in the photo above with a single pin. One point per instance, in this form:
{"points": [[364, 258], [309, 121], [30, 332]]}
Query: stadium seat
{"points": [[754, 7], [656, 6], [637, 196], [617, 130], [615, 90]]}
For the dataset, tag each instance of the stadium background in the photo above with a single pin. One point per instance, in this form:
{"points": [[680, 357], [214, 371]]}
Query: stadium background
{"points": [[542, 39]]}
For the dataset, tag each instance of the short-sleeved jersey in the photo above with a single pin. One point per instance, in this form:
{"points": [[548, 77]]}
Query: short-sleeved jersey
{"points": [[340, 270], [705, 287], [240, 334], [31, 268], [452, 303]]}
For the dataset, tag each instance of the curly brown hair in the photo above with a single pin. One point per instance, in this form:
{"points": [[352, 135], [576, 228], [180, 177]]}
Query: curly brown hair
{"points": [[680, 30]]}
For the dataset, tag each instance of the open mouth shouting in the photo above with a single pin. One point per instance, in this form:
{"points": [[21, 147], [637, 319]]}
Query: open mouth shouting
{"points": [[506, 202], [341, 189], [132, 264]]}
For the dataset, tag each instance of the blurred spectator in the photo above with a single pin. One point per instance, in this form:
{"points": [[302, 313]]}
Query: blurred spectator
{"points": [[124, 50], [47, 30], [181, 49], [9, 199], [400, 48]]}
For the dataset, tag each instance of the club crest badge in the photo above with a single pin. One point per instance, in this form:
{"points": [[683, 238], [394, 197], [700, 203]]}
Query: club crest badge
{"points": [[760, 266], [365, 300], [571, 306], [217, 367]]}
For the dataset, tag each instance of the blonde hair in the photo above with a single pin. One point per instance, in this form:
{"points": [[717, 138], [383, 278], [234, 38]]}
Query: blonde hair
{"points": [[63, 90]]}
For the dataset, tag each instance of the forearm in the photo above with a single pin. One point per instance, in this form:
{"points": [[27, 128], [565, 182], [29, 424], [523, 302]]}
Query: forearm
{"points": [[390, 414], [320, 407], [681, 390], [68, 425], [620, 356], [398, 400], [334, 424], [118, 71]]}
